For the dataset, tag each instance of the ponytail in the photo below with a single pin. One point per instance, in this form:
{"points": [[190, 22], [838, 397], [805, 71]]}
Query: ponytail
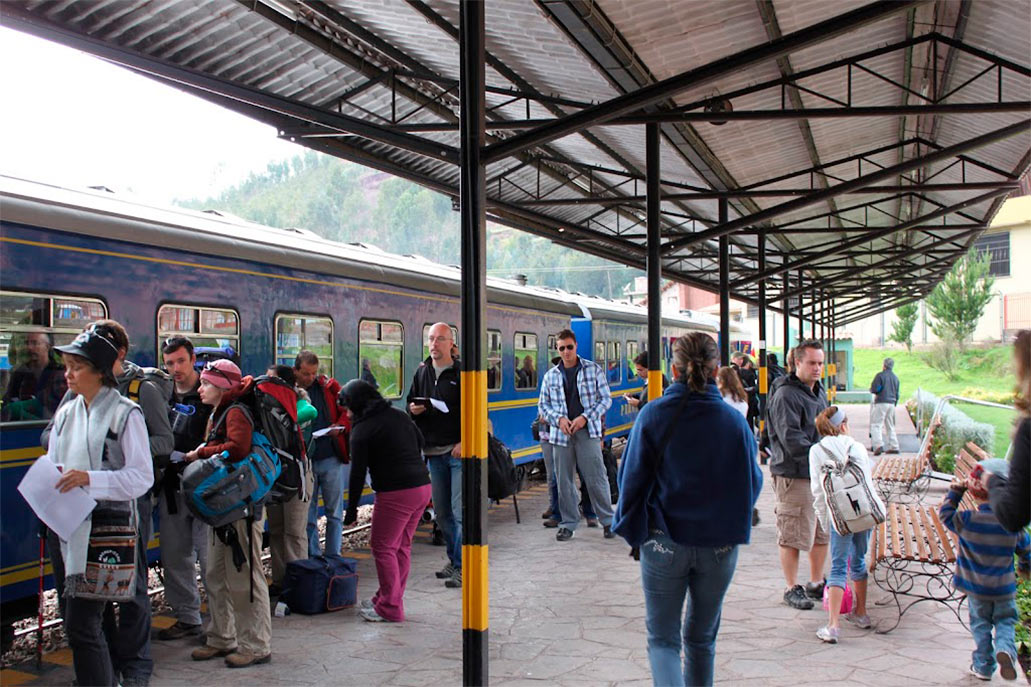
{"points": [[696, 358]]}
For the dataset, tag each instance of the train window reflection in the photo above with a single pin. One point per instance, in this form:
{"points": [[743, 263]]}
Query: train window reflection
{"points": [[525, 361], [380, 355], [296, 333], [493, 360], [205, 327], [631, 353], [614, 360]]}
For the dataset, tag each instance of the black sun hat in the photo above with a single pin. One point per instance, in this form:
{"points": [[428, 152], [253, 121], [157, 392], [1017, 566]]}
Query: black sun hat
{"points": [[95, 345]]}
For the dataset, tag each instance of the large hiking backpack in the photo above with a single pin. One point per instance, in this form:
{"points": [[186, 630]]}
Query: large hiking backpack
{"points": [[219, 491], [273, 405], [502, 481], [853, 506], [164, 383]]}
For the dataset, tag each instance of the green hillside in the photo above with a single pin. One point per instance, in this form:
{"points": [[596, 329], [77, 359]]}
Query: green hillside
{"points": [[347, 202]]}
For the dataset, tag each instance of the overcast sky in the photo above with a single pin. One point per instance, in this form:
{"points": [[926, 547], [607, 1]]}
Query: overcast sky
{"points": [[73, 119]]}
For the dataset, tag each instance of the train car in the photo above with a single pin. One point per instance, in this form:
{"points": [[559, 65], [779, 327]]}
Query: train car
{"points": [[73, 256]]}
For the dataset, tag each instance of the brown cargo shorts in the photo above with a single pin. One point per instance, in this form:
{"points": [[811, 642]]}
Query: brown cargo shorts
{"points": [[797, 524]]}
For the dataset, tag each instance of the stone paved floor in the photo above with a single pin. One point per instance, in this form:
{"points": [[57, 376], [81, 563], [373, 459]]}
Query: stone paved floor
{"points": [[572, 614]]}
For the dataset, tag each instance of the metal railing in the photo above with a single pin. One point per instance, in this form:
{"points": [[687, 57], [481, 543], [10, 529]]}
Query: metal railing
{"points": [[942, 402]]}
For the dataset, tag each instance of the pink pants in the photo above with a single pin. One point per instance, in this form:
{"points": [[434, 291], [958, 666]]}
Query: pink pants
{"points": [[394, 519]]}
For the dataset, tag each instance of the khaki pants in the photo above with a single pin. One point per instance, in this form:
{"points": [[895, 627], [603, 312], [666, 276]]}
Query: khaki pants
{"points": [[288, 532], [237, 622], [882, 418]]}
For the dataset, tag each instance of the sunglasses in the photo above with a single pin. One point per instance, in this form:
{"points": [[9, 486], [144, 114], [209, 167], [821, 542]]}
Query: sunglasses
{"points": [[568, 347], [210, 367]]}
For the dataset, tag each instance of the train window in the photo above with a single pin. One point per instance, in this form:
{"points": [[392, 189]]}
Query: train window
{"points": [[631, 353], [205, 327], [426, 338], [552, 348], [493, 360], [599, 352], [381, 354], [525, 361], [614, 363], [31, 374], [295, 333]]}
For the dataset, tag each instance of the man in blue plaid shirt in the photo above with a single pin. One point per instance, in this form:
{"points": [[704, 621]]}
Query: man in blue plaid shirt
{"points": [[574, 398]]}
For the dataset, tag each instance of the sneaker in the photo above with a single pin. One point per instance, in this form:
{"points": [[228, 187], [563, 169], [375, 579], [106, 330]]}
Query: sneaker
{"points": [[814, 590], [455, 581], [608, 533], [1007, 669], [860, 621], [206, 653], [828, 634], [547, 514], [371, 615], [563, 534], [179, 630], [892, 450], [592, 522], [241, 659], [878, 451], [979, 675], [550, 522], [796, 598], [446, 572], [365, 603]]}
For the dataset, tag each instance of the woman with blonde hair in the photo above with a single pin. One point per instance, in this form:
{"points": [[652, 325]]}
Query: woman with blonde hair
{"points": [[1010, 497]]}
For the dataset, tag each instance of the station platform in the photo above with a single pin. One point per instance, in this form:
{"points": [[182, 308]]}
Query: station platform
{"points": [[572, 614]]}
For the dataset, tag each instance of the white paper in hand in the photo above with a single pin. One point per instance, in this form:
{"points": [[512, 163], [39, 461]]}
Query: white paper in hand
{"points": [[63, 513], [439, 405], [327, 431]]}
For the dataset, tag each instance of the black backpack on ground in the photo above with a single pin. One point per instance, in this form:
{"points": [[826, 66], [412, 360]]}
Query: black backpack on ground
{"points": [[502, 481], [612, 471]]}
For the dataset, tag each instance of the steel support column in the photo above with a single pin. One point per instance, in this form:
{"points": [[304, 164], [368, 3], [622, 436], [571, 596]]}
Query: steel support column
{"points": [[801, 322], [761, 241], [786, 320], [724, 288], [653, 169], [474, 376]]}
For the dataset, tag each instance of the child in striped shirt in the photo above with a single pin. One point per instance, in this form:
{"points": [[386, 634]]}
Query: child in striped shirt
{"points": [[984, 572]]}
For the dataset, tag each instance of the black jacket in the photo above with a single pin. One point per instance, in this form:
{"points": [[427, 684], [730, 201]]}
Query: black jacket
{"points": [[188, 431], [792, 431], [438, 428], [1011, 498], [386, 443], [885, 387]]}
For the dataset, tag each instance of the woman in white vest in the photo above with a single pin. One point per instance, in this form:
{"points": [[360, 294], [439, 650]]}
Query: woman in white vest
{"points": [[848, 507], [99, 439]]}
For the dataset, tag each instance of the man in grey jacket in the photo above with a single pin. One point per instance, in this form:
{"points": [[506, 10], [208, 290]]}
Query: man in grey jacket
{"points": [[792, 411], [885, 388]]}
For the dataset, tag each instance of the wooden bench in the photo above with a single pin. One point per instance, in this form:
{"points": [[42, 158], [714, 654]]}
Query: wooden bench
{"points": [[913, 555], [905, 477]]}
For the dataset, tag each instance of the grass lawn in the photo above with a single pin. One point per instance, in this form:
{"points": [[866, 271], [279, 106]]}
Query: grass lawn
{"points": [[979, 370]]}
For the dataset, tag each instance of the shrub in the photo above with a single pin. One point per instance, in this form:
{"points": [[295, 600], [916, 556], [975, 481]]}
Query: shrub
{"points": [[1004, 397], [955, 431]]}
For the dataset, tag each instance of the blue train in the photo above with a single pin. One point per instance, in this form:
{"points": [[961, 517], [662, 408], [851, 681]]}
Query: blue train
{"points": [[68, 257]]}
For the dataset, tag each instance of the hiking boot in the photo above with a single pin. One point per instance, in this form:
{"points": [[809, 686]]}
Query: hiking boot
{"points": [[446, 572], [592, 522], [860, 621], [814, 590], [979, 675], [242, 659], [179, 630], [563, 534], [1007, 670], [878, 451], [796, 598], [547, 514], [550, 522], [828, 634], [455, 581], [206, 653], [371, 615], [608, 533]]}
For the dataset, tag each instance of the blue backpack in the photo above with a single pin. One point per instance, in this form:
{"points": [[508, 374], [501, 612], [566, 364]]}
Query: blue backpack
{"points": [[219, 491]]}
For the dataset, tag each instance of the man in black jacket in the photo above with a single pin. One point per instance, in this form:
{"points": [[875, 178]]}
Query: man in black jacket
{"points": [[434, 402], [793, 409]]}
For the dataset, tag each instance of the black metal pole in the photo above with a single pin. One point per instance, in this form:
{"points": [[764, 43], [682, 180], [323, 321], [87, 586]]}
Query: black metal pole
{"points": [[786, 319], [474, 376], [654, 261], [761, 239], [724, 288], [801, 323]]}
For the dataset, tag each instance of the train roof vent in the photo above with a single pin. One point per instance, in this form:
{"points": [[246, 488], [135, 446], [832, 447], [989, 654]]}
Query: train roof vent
{"points": [[103, 188], [366, 246], [303, 232]]}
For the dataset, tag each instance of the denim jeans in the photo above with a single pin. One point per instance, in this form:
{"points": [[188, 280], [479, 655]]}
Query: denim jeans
{"points": [[446, 478], [583, 453], [329, 479], [585, 499], [847, 551], [1000, 614], [669, 573]]}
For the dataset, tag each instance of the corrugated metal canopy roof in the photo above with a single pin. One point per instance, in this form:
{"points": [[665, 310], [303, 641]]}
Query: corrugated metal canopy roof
{"points": [[376, 82]]}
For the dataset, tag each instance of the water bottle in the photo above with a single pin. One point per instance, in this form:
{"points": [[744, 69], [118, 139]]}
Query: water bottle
{"points": [[181, 414]]}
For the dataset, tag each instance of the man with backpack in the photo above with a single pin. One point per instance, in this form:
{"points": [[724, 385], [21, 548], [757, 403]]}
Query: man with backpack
{"points": [[128, 639], [437, 379], [327, 454], [184, 538]]}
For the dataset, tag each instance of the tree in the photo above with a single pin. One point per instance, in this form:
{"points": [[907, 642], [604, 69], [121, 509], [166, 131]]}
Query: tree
{"points": [[958, 301], [902, 330]]}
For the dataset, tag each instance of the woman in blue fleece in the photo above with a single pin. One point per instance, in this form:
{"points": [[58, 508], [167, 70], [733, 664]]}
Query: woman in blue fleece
{"points": [[688, 481]]}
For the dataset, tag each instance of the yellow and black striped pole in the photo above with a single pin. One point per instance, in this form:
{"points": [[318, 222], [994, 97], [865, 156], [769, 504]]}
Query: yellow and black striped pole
{"points": [[475, 638], [654, 264], [761, 239]]}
